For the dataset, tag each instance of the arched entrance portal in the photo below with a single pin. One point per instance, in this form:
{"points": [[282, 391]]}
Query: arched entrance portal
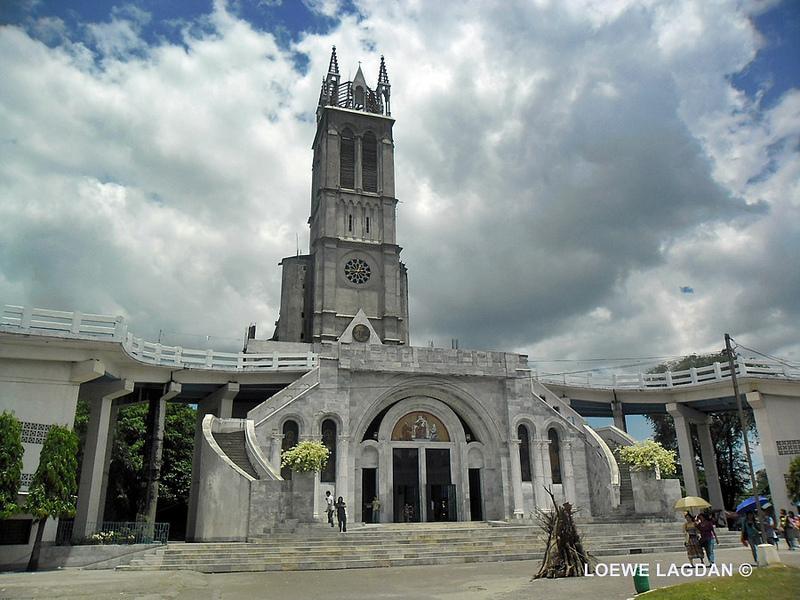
{"points": [[428, 469]]}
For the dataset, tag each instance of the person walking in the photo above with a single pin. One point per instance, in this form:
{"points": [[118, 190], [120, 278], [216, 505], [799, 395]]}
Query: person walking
{"points": [[341, 514], [770, 535], [376, 510], [793, 530], [708, 536], [751, 534], [329, 507], [692, 542]]}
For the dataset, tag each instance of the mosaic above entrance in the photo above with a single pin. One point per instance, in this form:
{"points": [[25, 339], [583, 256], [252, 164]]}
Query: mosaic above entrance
{"points": [[420, 426]]}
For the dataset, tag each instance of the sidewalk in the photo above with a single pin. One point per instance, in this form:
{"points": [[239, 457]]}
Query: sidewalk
{"points": [[479, 581]]}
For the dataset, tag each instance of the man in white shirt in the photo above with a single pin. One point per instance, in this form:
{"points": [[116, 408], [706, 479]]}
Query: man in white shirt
{"points": [[329, 507]]}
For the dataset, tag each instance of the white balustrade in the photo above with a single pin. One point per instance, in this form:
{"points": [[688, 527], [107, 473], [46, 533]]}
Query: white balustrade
{"points": [[39, 321]]}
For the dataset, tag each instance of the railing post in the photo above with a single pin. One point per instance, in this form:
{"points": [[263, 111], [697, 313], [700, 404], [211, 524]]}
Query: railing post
{"points": [[693, 374], [209, 358], [179, 355], [158, 354], [641, 380], [25, 321], [275, 360], [717, 371], [76, 322], [742, 364], [120, 328], [240, 361], [310, 360], [668, 378]]}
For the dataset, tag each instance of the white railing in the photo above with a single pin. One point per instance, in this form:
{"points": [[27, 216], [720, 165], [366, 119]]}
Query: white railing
{"points": [[55, 323], [752, 367]]}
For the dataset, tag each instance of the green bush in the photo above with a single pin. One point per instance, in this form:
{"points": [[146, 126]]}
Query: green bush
{"points": [[649, 456], [11, 452], [306, 457], [793, 484]]}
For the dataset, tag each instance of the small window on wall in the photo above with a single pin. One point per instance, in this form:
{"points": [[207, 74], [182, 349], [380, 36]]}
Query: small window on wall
{"points": [[349, 222], [328, 473], [524, 452], [555, 456], [291, 433], [367, 224], [347, 160], [369, 163]]}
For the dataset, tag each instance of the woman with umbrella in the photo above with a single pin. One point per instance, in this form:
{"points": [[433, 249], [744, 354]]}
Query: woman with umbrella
{"points": [[751, 534], [692, 541]]}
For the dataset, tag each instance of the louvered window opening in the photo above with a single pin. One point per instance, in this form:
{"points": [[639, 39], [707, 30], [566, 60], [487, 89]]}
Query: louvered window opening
{"points": [[369, 163], [347, 165]]}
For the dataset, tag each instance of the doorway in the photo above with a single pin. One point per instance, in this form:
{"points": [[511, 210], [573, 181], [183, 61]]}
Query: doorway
{"points": [[369, 489], [475, 498], [441, 493], [405, 472]]}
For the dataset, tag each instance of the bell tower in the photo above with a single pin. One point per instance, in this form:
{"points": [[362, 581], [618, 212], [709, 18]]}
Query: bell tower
{"points": [[353, 261]]}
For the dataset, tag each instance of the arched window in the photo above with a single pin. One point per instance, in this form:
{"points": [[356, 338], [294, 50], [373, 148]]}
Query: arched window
{"points": [[524, 452], [347, 160], [369, 163], [291, 433], [328, 474], [555, 455]]}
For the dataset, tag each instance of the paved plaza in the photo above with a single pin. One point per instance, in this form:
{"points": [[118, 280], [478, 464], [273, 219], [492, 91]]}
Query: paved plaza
{"points": [[501, 581]]}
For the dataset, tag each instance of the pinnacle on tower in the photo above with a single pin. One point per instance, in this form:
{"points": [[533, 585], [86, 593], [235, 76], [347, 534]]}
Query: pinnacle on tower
{"points": [[383, 78], [333, 67]]}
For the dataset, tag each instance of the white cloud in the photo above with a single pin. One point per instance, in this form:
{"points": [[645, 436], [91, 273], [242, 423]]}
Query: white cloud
{"points": [[563, 169]]}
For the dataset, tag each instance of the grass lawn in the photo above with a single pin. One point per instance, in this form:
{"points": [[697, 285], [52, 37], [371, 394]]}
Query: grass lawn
{"points": [[774, 583]]}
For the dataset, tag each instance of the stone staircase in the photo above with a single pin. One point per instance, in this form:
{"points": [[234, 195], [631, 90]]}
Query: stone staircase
{"points": [[395, 545], [233, 445]]}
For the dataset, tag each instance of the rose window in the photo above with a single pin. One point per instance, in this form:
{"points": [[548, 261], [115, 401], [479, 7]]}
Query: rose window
{"points": [[357, 271]]}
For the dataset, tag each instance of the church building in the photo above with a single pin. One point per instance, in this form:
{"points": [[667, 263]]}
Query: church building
{"points": [[435, 434]]}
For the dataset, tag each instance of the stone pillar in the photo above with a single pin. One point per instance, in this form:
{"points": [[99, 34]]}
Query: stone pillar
{"points": [[710, 466], [516, 478], [686, 454], [619, 415], [220, 404], [539, 446], [569, 472], [100, 396], [277, 445], [343, 473], [155, 443]]}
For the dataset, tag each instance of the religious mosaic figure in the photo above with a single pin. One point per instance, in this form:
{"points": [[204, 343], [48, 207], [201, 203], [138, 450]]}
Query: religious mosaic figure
{"points": [[421, 428]]}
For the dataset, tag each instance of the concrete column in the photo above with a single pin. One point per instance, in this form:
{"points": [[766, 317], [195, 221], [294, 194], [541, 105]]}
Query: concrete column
{"points": [[107, 462], [220, 404], [619, 415], [422, 480], [686, 454], [710, 466], [100, 396], [569, 472], [516, 478], [773, 463], [155, 438]]}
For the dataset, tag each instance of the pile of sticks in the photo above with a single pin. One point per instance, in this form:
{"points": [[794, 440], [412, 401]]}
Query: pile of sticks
{"points": [[564, 555]]}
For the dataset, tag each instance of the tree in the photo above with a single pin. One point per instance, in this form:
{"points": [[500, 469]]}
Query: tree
{"points": [[11, 452], [726, 434], [793, 484], [648, 455], [306, 457], [127, 477], [52, 492]]}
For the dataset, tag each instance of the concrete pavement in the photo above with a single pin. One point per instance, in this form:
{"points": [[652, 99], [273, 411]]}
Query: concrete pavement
{"points": [[480, 581]]}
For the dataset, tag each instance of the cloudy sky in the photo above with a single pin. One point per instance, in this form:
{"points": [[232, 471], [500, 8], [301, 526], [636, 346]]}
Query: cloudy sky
{"points": [[578, 179]]}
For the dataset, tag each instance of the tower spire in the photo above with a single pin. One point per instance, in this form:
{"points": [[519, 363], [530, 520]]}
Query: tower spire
{"points": [[333, 67], [383, 91]]}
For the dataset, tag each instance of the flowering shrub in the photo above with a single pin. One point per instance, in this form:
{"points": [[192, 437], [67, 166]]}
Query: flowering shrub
{"points": [[648, 456], [113, 537], [305, 457]]}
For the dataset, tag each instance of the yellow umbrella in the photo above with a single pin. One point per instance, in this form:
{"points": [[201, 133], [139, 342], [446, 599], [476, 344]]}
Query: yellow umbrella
{"points": [[691, 502]]}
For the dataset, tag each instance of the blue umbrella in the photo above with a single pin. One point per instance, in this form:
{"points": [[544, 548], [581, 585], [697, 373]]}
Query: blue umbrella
{"points": [[750, 504]]}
